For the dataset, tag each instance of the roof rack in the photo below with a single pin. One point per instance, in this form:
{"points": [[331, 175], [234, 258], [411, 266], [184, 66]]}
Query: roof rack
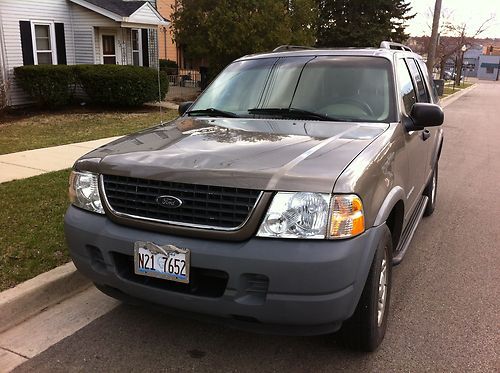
{"points": [[284, 48], [392, 45]]}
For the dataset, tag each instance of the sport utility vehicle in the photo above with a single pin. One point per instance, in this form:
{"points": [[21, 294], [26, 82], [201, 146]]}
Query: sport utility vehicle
{"points": [[278, 201]]}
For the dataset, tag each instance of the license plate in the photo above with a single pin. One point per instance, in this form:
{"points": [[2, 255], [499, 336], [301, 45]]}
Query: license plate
{"points": [[167, 262]]}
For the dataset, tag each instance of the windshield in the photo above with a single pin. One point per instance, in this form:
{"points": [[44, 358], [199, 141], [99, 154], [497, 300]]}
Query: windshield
{"points": [[324, 88]]}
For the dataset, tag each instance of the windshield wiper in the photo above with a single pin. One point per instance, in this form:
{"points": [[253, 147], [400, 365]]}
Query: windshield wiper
{"points": [[213, 112], [294, 113]]}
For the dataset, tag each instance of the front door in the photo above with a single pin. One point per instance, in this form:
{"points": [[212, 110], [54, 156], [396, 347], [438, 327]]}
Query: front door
{"points": [[415, 147], [108, 50]]}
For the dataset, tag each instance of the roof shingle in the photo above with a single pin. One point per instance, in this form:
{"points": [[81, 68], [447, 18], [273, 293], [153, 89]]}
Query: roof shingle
{"points": [[120, 7]]}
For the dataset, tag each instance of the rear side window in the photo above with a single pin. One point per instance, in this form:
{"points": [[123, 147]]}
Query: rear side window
{"points": [[432, 87], [405, 86], [415, 72]]}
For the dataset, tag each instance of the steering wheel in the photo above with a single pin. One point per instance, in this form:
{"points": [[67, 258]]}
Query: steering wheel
{"points": [[360, 104]]}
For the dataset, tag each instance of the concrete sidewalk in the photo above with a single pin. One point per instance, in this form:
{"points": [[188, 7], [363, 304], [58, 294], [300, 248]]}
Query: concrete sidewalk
{"points": [[38, 161]]}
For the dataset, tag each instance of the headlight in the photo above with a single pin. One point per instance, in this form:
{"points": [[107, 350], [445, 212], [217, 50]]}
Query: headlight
{"points": [[84, 191], [313, 215], [296, 215]]}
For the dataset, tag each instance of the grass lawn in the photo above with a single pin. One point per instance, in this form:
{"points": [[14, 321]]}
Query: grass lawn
{"points": [[18, 133], [448, 88], [31, 226]]}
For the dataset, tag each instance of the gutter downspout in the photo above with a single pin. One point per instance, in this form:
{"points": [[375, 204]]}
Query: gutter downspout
{"points": [[498, 68], [3, 62], [165, 40], [72, 21]]}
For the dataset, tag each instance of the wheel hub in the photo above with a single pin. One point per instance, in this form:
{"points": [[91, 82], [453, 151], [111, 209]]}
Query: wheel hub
{"points": [[382, 290]]}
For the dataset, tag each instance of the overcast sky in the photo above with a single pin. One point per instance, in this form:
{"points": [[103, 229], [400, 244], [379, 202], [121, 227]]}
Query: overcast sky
{"points": [[472, 12]]}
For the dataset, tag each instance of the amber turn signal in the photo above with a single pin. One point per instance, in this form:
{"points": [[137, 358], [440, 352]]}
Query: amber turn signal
{"points": [[347, 216]]}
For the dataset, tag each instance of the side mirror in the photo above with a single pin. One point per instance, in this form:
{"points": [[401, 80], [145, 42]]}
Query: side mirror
{"points": [[425, 115], [184, 107]]}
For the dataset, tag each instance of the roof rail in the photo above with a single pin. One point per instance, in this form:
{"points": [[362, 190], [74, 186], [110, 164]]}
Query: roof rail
{"points": [[284, 48], [392, 45]]}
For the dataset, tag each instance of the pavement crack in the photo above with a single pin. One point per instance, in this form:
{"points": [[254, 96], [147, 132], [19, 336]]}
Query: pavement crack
{"points": [[14, 352], [19, 165]]}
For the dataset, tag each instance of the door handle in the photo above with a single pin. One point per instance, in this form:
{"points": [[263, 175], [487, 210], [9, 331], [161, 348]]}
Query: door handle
{"points": [[426, 134]]}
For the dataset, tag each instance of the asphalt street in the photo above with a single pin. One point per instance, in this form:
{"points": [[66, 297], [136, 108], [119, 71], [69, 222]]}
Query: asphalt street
{"points": [[444, 314]]}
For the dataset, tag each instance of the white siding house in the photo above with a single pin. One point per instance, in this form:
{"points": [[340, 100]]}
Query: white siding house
{"points": [[74, 32]]}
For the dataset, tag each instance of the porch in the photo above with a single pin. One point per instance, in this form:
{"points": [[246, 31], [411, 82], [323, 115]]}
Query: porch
{"points": [[121, 32]]}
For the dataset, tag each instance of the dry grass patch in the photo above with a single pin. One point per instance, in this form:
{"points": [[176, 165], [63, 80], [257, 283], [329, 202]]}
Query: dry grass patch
{"points": [[52, 129]]}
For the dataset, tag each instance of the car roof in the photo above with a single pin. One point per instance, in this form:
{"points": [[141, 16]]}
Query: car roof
{"points": [[363, 52]]}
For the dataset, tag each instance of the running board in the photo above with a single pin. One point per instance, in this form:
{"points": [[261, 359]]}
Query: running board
{"points": [[409, 231]]}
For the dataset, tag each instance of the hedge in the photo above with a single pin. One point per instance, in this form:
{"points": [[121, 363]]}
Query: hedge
{"points": [[116, 85], [168, 64], [48, 85], [110, 85]]}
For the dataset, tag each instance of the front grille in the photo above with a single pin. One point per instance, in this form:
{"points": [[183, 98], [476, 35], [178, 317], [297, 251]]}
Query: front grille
{"points": [[202, 205]]}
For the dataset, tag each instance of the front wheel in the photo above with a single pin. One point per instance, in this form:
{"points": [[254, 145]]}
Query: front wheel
{"points": [[365, 330]]}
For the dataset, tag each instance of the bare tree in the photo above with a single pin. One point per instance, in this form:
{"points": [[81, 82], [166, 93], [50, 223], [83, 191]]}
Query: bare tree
{"points": [[462, 38], [434, 37], [453, 37]]}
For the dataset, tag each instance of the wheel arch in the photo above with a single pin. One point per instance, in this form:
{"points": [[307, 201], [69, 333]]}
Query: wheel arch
{"points": [[392, 214]]}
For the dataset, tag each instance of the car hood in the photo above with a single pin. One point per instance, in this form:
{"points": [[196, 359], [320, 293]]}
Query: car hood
{"points": [[293, 155]]}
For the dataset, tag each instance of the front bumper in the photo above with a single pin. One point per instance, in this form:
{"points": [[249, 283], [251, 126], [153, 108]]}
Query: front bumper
{"points": [[284, 286]]}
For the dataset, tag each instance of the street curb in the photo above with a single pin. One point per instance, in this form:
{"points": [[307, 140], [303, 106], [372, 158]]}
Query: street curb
{"points": [[33, 296], [451, 99]]}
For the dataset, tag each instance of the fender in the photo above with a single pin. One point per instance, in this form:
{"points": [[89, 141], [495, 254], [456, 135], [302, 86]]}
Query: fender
{"points": [[396, 194]]}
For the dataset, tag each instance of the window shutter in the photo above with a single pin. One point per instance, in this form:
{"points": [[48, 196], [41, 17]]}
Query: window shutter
{"points": [[60, 44], [26, 43], [145, 47]]}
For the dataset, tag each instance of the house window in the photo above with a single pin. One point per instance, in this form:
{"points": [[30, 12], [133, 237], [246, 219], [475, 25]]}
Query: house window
{"points": [[489, 70], [136, 47], [108, 50], [44, 50]]}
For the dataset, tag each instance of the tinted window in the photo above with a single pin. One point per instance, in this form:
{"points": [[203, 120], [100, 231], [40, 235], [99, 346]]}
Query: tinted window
{"points": [[415, 72], [433, 90], [406, 86]]}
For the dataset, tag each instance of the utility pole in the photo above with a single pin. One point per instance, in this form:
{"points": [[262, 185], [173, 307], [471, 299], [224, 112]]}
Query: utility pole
{"points": [[431, 53]]}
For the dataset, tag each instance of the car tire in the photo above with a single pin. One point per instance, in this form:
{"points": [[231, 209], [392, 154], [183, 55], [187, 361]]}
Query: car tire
{"points": [[431, 192], [365, 330]]}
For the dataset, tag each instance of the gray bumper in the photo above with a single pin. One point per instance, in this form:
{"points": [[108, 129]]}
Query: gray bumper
{"points": [[307, 285]]}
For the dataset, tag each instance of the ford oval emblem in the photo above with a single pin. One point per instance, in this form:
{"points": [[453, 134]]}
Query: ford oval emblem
{"points": [[169, 202]]}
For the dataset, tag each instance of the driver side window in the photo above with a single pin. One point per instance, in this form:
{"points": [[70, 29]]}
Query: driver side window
{"points": [[406, 88]]}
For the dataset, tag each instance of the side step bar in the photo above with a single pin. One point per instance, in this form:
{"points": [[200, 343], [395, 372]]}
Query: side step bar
{"points": [[409, 231]]}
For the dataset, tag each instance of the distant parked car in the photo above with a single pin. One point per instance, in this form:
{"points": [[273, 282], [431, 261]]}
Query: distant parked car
{"points": [[450, 75]]}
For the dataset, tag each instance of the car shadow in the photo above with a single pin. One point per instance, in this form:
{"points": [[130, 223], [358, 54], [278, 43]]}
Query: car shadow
{"points": [[140, 338]]}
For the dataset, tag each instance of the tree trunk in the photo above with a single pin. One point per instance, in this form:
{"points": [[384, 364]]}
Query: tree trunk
{"points": [[441, 69], [458, 75], [431, 53]]}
